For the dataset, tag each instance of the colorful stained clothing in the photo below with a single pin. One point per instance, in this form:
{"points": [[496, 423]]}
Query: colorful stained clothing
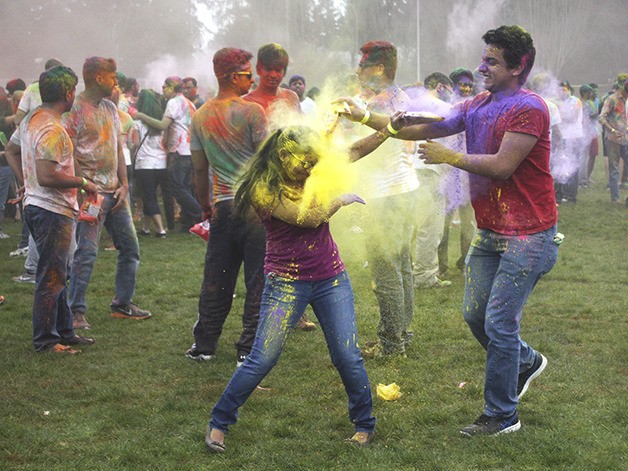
{"points": [[97, 131], [389, 170], [177, 136], [524, 203], [295, 252], [31, 98], [228, 131], [126, 124], [285, 100], [514, 244], [391, 187], [49, 214], [42, 137], [291, 284], [614, 116]]}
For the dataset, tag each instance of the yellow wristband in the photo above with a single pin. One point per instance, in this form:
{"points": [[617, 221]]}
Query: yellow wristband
{"points": [[367, 116], [391, 130]]}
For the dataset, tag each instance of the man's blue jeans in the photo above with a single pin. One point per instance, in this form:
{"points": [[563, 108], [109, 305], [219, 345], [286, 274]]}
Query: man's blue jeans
{"points": [[283, 303], [52, 318], [119, 224], [501, 273]]}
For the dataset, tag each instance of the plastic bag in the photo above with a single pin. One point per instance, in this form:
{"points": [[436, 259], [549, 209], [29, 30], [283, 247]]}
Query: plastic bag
{"points": [[391, 392], [201, 229]]}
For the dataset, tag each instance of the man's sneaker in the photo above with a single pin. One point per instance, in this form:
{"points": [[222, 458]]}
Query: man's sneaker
{"points": [[19, 252], [79, 321], [486, 425], [525, 378], [196, 355], [129, 311], [240, 361], [78, 340], [25, 278]]}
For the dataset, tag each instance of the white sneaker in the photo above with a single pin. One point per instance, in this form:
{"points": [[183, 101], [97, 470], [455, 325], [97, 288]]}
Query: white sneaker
{"points": [[20, 252]]}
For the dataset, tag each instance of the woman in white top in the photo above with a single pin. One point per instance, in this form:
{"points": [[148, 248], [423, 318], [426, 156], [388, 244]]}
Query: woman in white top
{"points": [[150, 163]]}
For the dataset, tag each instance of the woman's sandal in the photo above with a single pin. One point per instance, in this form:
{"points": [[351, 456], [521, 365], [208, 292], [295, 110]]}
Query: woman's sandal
{"points": [[216, 447], [361, 438]]}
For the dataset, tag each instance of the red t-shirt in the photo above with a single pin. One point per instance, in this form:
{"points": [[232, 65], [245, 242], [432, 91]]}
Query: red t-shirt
{"points": [[524, 203]]}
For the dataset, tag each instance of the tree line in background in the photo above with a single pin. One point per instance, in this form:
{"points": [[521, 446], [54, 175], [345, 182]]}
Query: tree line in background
{"points": [[320, 35]]}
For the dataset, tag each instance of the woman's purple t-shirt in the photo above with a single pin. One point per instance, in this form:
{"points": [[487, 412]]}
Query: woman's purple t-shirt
{"points": [[300, 253]]}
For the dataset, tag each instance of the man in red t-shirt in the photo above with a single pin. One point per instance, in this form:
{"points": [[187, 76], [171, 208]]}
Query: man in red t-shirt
{"points": [[507, 134]]}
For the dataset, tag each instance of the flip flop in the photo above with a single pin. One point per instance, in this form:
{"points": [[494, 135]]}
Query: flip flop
{"points": [[59, 348]]}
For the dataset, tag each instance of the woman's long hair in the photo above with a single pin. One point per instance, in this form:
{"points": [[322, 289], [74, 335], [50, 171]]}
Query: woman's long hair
{"points": [[264, 180], [149, 103]]}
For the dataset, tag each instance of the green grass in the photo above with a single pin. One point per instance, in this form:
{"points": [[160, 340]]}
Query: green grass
{"points": [[133, 401]]}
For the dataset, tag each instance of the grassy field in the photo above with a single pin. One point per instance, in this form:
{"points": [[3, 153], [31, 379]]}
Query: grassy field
{"points": [[133, 401]]}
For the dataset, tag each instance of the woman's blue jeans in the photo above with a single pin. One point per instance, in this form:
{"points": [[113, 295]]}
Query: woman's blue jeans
{"points": [[501, 273], [283, 303]]}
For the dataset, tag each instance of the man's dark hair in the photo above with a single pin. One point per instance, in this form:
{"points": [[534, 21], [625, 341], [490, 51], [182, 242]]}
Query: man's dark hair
{"points": [[230, 59], [585, 89], [380, 52], [55, 83], [567, 85], [190, 79], [517, 45], [50, 63], [175, 82], [434, 79], [460, 72], [121, 78], [273, 55], [129, 84], [294, 78], [94, 66], [15, 85]]}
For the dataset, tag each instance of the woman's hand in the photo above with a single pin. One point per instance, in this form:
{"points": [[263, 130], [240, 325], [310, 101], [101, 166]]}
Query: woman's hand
{"points": [[348, 109], [350, 198]]}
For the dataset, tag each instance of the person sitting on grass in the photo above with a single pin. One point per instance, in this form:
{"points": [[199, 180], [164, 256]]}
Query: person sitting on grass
{"points": [[302, 267]]}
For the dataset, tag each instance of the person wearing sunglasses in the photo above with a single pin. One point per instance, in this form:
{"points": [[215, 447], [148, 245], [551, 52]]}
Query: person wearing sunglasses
{"points": [[224, 135]]}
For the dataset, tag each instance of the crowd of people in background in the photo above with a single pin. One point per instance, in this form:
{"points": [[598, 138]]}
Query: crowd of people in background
{"points": [[133, 152]]}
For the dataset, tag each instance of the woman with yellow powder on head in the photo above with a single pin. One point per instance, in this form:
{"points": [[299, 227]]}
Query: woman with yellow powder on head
{"points": [[302, 266]]}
